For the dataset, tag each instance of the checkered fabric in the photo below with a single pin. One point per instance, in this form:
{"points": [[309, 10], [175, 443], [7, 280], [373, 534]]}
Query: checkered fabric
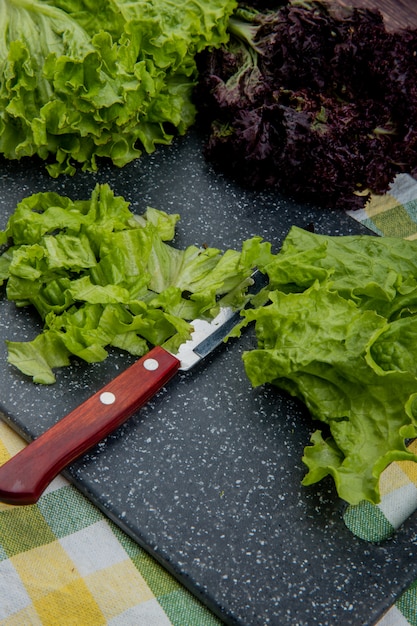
{"points": [[62, 563], [394, 214], [404, 612], [398, 487]]}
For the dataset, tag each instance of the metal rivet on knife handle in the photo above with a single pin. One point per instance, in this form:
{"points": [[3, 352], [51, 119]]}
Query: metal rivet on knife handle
{"points": [[150, 364], [106, 397]]}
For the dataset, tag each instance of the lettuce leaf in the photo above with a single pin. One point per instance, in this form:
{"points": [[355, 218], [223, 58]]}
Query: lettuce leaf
{"points": [[81, 80], [100, 276], [340, 333]]}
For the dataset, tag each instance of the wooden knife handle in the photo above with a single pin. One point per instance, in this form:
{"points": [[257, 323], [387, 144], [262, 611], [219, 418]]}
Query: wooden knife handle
{"points": [[27, 474]]}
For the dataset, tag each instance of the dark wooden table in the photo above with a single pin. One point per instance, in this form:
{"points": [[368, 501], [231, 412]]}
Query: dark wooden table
{"points": [[397, 13]]}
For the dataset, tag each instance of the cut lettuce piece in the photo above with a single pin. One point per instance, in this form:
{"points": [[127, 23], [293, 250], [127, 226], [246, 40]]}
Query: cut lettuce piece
{"points": [[100, 276], [377, 272], [37, 358], [340, 333]]}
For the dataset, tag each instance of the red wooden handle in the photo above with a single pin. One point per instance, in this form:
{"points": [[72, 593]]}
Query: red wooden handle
{"points": [[25, 476]]}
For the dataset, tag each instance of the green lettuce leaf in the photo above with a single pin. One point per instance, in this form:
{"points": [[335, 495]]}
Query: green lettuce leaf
{"points": [[340, 333], [100, 276], [82, 80]]}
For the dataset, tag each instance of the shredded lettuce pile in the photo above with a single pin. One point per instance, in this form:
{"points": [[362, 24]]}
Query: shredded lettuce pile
{"points": [[100, 276], [84, 79], [340, 333]]}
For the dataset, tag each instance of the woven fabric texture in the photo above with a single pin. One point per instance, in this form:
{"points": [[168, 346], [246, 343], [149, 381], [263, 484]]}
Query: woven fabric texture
{"points": [[62, 563]]}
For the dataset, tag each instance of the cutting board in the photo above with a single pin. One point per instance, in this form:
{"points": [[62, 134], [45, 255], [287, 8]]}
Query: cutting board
{"points": [[207, 476]]}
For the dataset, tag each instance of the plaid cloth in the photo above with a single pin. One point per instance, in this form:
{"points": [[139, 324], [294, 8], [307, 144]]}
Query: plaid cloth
{"points": [[398, 487], [62, 563], [394, 214]]}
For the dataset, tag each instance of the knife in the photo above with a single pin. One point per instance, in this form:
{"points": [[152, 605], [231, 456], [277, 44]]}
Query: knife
{"points": [[26, 475]]}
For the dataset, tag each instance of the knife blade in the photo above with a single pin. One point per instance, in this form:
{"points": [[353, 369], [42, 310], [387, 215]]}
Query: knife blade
{"points": [[25, 476]]}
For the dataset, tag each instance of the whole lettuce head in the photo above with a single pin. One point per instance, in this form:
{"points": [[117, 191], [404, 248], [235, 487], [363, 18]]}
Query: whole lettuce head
{"points": [[81, 80], [317, 102]]}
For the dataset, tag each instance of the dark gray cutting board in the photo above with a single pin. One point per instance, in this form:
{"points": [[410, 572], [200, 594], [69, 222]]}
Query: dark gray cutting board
{"points": [[207, 476]]}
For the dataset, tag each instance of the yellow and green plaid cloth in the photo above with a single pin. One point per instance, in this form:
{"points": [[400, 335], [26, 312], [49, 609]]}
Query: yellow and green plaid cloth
{"points": [[62, 562], [394, 214]]}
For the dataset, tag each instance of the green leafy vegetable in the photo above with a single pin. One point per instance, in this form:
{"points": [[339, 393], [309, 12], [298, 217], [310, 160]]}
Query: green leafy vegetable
{"points": [[340, 333], [110, 78], [100, 276]]}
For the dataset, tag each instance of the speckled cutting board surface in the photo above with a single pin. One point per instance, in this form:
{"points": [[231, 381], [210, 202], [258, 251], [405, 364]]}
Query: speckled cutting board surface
{"points": [[207, 476]]}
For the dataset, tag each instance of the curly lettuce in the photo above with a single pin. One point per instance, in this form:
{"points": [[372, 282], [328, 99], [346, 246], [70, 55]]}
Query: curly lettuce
{"points": [[100, 276], [313, 99], [340, 334], [81, 80]]}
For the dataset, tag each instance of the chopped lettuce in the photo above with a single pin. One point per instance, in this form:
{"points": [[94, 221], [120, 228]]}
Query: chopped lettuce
{"points": [[82, 80], [340, 333], [100, 276]]}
